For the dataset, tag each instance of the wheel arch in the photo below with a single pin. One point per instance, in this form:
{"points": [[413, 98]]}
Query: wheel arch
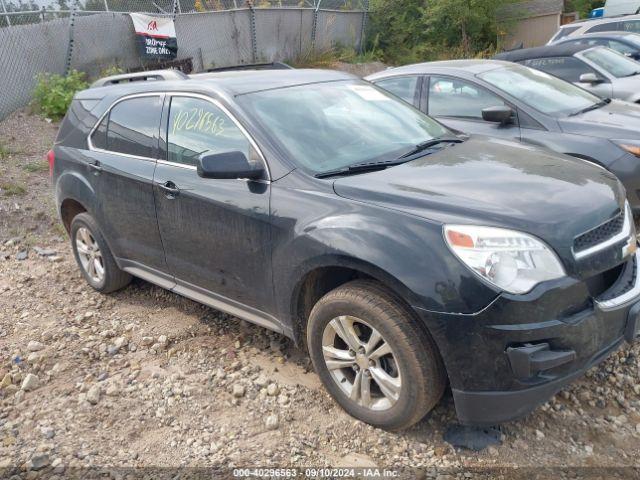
{"points": [[74, 195], [326, 274]]}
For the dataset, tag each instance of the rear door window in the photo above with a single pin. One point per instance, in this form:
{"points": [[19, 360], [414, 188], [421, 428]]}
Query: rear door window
{"points": [[450, 97], [567, 68], [197, 126], [403, 87], [131, 127]]}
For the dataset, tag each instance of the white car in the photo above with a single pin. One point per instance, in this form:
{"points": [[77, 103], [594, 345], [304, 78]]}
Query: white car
{"points": [[627, 23], [621, 7]]}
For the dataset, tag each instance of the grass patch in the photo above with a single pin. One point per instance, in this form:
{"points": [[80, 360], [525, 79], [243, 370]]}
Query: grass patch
{"points": [[329, 57], [315, 59], [12, 189], [4, 151], [35, 167]]}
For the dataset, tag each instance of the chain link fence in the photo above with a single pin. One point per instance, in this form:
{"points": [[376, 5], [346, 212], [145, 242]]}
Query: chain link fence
{"points": [[96, 35]]}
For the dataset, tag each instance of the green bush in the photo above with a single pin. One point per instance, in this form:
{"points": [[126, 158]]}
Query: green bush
{"points": [[409, 31], [53, 93]]}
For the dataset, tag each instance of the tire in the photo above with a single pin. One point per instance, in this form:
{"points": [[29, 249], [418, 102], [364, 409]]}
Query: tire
{"points": [[110, 278], [415, 375]]}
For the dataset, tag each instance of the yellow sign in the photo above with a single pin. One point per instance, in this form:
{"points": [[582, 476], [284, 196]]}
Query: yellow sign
{"points": [[198, 120]]}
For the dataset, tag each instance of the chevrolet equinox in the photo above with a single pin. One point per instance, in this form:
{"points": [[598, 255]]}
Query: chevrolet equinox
{"points": [[405, 256]]}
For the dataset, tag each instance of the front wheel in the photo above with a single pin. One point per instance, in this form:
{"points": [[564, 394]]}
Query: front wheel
{"points": [[372, 356]]}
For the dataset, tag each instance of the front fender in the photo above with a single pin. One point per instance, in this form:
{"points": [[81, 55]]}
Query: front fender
{"points": [[406, 253]]}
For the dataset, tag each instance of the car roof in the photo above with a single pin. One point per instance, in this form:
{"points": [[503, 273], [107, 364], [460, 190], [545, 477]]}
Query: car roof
{"points": [[229, 83], [612, 35], [560, 50], [600, 20], [465, 67]]}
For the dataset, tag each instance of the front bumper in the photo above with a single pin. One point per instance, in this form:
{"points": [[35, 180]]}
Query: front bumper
{"points": [[519, 351]]}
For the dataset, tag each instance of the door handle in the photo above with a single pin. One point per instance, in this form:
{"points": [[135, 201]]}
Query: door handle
{"points": [[170, 189], [95, 165]]}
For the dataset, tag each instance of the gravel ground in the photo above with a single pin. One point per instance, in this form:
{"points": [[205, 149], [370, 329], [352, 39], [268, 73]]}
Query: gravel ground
{"points": [[145, 378]]}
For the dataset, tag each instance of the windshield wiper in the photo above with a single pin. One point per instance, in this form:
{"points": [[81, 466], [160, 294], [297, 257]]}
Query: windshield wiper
{"points": [[595, 106], [632, 74], [421, 147], [360, 168], [375, 166]]}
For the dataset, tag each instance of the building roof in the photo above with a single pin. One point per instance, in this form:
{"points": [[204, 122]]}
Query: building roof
{"points": [[531, 8]]}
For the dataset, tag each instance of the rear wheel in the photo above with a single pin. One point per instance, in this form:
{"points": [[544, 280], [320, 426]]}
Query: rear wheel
{"points": [[94, 257], [372, 356]]}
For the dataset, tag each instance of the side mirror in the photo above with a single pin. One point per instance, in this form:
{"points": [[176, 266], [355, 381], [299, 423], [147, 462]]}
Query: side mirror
{"points": [[499, 114], [591, 78], [228, 165]]}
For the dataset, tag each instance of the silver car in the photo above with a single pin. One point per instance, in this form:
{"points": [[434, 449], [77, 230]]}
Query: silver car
{"points": [[627, 23], [600, 70]]}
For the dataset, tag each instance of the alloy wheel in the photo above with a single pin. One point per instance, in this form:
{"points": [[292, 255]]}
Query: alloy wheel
{"points": [[89, 254], [361, 362]]}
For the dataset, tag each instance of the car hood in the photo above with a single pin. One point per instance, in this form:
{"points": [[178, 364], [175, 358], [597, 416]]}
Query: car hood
{"points": [[616, 120], [490, 181]]}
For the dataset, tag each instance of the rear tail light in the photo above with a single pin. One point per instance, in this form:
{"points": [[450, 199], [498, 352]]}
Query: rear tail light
{"points": [[51, 158]]}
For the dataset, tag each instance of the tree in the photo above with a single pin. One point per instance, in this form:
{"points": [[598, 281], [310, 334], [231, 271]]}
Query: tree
{"points": [[470, 25], [418, 30], [397, 28]]}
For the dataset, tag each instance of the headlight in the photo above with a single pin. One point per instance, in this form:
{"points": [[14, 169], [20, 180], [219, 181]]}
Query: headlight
{"points": [[512, 261], [631, 146]]}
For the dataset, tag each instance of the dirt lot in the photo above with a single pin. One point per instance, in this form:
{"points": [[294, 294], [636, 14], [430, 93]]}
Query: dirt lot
{"points": [[146, 378]]}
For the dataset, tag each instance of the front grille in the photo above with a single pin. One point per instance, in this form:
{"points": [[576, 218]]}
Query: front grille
{"points": [[599, 234]]}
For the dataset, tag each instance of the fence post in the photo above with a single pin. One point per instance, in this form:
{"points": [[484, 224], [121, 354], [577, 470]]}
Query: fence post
{"points": [[72, 21], [363, 28], [4, 9], [254, 35], [314, 26], [176, 8]]}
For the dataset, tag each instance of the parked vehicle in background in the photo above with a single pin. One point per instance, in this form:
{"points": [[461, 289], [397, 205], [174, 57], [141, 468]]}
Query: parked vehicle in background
{"points": [[514, 102], [627, 23], [597, 13], [402, 255], [600, 70], [628, 44], [613, 8]]}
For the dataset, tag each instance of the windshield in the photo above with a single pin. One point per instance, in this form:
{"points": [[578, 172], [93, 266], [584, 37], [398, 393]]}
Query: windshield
{"points": [[563, 32], [327, 126], [539, 90], [613, 62], [633, 38]]}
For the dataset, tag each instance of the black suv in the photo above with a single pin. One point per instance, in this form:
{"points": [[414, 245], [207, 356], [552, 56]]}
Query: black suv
{"points": [[403, 255]]}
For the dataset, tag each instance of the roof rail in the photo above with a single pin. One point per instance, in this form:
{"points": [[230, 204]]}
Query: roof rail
{"points": [[153, 75], [252, 66]]}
